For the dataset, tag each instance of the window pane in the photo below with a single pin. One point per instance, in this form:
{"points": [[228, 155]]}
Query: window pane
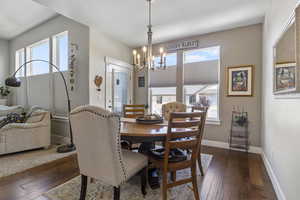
{"points": [[200, 95], [20, 60], [61, 51], [160, 96], [171, 60], [39, 51], [201, 55]]}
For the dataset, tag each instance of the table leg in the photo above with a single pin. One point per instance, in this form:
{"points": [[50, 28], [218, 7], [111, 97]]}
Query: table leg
{"points": [[153, 177]]}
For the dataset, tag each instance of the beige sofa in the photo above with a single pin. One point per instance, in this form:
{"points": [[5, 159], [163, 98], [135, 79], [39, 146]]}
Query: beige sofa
{"points": [[33, 134]]}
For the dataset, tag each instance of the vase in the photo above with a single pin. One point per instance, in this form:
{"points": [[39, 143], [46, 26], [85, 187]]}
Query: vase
{"points": [[3, 102]]}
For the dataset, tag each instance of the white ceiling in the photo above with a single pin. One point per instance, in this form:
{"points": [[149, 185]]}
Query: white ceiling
{"points": [[125, 20], [18, 16]]}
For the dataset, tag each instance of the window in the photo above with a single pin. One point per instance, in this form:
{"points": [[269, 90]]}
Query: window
{"points": [[38, 51], [20, 60], [202, 95], [160, 96], [202, 55], [171, 60], [41, 51], [60, 51]]}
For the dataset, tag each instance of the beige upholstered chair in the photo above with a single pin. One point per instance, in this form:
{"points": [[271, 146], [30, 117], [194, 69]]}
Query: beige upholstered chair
{"points": [[97, 138], [172, 107]]}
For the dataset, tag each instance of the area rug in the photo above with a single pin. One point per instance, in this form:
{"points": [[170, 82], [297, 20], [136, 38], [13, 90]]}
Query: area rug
{"points": [[14, 163], [129, 191]]}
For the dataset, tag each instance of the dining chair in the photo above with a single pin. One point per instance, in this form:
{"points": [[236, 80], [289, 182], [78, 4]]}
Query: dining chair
{"points": [[201, 109], [97, 138], [189, 126], [172, 107], [133, 111]]}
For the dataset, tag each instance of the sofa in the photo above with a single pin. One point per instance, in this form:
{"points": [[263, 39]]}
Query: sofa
{"points": [[33, 134]]}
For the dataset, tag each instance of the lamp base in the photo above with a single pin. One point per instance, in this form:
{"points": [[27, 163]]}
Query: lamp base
{"points": [[66, 148]]}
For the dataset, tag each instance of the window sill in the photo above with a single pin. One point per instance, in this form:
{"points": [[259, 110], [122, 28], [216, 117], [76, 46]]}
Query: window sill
{"points": [[213, 122]]}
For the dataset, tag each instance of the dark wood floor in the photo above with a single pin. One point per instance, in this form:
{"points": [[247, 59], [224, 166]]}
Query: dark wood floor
{"points": [[231, 175]]}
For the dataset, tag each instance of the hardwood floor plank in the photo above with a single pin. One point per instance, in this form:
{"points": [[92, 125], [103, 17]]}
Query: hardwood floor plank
{"points": [[232, 175]]}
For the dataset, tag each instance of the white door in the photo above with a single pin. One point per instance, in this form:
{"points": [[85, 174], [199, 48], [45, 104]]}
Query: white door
{"points": [[119, 84]]}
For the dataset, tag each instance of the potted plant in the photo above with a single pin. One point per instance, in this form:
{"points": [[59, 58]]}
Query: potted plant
{"points": [[4, 92]]}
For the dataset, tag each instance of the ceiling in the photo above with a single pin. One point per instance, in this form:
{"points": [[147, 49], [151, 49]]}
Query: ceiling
{"points": [[125, 20], [18, 16]]}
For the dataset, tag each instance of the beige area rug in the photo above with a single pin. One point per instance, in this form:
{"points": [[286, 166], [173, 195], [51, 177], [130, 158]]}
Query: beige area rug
{"points": [[14, 163], [129, 191]]}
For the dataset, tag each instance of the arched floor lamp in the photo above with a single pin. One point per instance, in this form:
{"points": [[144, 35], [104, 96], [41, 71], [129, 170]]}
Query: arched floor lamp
{"points": [[13, 81]]}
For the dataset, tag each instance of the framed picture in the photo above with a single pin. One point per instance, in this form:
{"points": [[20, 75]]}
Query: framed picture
{"points": [[240, 80], [285, 77]]}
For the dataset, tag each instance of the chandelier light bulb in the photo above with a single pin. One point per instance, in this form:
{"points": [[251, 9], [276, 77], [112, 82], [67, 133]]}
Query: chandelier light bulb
{"points": [[161, 50], [144, 49], [134, 52], [138, 56]]}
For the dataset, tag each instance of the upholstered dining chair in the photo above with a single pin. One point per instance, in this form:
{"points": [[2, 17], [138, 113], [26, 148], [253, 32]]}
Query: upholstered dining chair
{"points": [[172, 107], [97, 138], [187, 126]]}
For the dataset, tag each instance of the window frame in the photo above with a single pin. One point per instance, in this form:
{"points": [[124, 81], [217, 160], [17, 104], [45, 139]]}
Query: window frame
{"points": [[18, 57], [209, 120], [197, 49], [56, 50], [158, 56], [28, 57], [161, 95]]}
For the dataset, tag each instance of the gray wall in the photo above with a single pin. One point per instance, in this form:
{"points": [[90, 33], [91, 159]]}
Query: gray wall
{"points": [[100, 46], [40, 86], [280, 117], [240, 46], [4, 60]]}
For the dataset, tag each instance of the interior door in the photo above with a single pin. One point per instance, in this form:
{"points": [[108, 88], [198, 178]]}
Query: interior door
{"points": [[119, 87]]}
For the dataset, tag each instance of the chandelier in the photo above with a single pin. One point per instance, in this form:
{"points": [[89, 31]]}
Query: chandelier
{"points": [[146, 60]]}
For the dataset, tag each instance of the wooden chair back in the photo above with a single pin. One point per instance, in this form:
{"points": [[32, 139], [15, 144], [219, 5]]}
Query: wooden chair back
{"points": [[185, 131], [133, 111]]}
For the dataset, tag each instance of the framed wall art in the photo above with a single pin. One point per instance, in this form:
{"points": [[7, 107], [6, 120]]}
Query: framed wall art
{"points": [[240, 81], [285, 77]]}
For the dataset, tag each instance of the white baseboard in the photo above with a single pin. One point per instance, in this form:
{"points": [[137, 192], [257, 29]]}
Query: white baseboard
{"points": [[274, 180], [224, 145]]}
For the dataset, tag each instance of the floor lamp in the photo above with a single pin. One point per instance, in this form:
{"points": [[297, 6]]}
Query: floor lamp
{"points": [[13, 81]]}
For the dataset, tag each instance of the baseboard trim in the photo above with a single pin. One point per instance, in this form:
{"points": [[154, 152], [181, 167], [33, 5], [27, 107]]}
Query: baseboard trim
{"points": [[224, 145], [274, 180]]}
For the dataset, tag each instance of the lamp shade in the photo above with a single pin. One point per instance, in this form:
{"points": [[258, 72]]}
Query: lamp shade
{"points": [[13, 82]]}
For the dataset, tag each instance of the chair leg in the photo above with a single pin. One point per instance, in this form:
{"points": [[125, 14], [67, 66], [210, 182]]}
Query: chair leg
{"points": [[164, 185], [117, 193], [144, 180], [84, 183], [194, 181], [200, 164], [173, 176]]}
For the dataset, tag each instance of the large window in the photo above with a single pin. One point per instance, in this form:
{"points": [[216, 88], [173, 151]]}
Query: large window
{"points": [[60, 50], [160, 96], [202, 55], [41, 51], [201, 95], [171, 60], [201, 80], [38, 51]]}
